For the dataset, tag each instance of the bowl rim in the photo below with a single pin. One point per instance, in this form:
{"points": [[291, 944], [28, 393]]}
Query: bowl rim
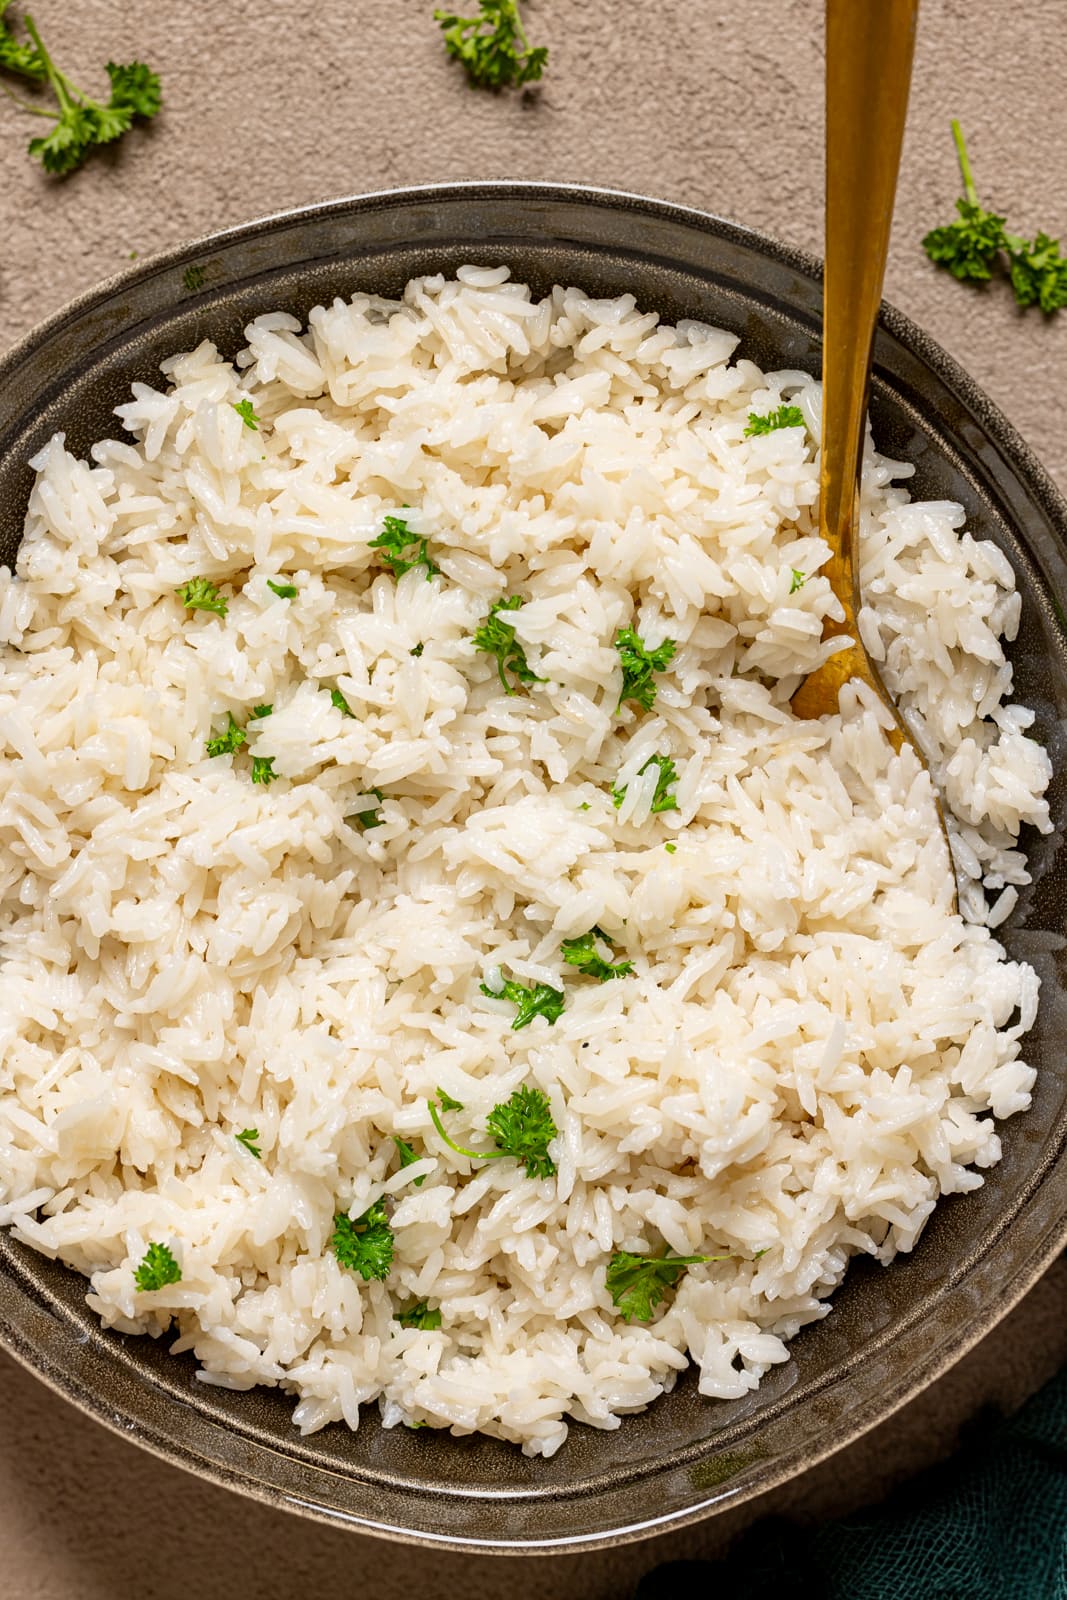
{"points": [[238, 1473]]}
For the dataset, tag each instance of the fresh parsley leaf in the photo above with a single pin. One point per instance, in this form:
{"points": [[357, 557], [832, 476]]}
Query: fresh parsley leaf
{"points": [[670, 847], [661, 800], [263, 770], [521, 1127], [259, 712], [228, 743], [497, 638], [783, 417], [638, 665], [158, 1268], [417, 649], [419, 1316], [638, 1283], [337, 699], [200, 594], [797, 580], [366, 1245], [284, 591], [492, 47], [583, 954], [1038, 272], [447, 1102], [535, 1000], [401, 549], [248, 1137], [365, 820], [407, 1155], [247, 413], [79, 123]]}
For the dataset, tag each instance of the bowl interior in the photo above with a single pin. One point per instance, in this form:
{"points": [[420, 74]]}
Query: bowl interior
{"points": [[891, 1330]]}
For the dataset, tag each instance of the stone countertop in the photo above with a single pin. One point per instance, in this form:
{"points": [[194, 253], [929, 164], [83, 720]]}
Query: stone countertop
{"points": [[713, 103]]}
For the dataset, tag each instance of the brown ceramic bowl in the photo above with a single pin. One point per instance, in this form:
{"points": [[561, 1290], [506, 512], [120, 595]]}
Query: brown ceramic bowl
{"points": [[891, 1331]]}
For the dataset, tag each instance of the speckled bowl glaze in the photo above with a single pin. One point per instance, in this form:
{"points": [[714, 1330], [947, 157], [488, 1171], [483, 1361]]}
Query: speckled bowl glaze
{"points": [[892, 1331]]}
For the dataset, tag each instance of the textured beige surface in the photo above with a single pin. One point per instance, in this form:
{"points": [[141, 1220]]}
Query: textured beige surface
{"points": [[715, 103]]}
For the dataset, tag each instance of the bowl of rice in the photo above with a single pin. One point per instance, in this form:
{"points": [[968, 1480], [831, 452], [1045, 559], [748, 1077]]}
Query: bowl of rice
{"points": [[476, 1067]]}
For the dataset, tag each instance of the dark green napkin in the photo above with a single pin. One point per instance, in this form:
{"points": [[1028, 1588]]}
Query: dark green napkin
{"points": [[991, 1524]]}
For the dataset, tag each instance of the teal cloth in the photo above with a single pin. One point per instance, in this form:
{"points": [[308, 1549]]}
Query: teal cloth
{"points": [[991, 1524]]}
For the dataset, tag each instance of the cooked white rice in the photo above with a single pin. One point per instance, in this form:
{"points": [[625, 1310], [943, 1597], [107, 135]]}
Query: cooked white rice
{"points": [[813, 1045]]}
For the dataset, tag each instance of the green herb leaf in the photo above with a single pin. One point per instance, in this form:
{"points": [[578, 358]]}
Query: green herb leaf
{"points": [[259, 712], [248, 1137], [417, 649], [661, 800], [247, 413], [534, 1000], [670, 847], [492, 47], [783, 417], [401, 549], [583, 954], [366, 1245], [338, 699], [157, 1269], [638, 665], [447, 1102], [263, 770], [638, 1283], [284, 591], [1038, 272], [365, 820], [200, 594], [407, 1155], [419, 1316], [797, 580], [497, 638], [228, 743], [15, 54], [521, 1127]]}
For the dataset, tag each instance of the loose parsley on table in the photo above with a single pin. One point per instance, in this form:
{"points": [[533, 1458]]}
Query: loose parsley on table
{"points": [[521, 1127], [200, 594], [497, 638], [247, 413], [534, 1000], [661, 800], [583, 954], [79, 123], [783, 417], [638, 665], [973, 244], [158, 1268], [401, 550], [419, 1316], [228, 743], [492, 47], [365, 1245], [638, 1283], [249, 1138], [284, 591], [407, 1155]]}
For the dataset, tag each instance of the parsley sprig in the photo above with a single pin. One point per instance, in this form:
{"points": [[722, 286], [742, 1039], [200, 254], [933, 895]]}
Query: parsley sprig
{"points": [[492, 47], [284, 591], [365, 1245], [402, 550], [971, 246], [637, 1283], [249, 1138], [771, 421], [247, 413], [533, 1000], [521, 1127], [79, 123], [229, 742], [497, 638], [583, 954], [661, 800], [638, 664], [263, 770], [158, 1268], [200, 594]]}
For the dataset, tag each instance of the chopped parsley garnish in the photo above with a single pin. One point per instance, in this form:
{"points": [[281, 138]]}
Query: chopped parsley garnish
{"points": [[79, 123], [284, 591], [783, 417], [259, 712], [366, 1245], [263, 770], [419, 1316], [521, 1127], [249, 1137], [797, 580], [402, 550], [534, 1000], [228, 743], [492, 47], [971, 246], [497, 638], [157, 1269], [247, 413], [583, 954], [365, 820], [661, 800], [417, 649], [200, 594], [638, 665], [407, 1155], [447, 1102], [638, 1283], [670, 848], [337, 699]]}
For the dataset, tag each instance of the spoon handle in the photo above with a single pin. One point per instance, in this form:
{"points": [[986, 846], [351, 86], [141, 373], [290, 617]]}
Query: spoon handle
{"points": [[869, 47]]}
